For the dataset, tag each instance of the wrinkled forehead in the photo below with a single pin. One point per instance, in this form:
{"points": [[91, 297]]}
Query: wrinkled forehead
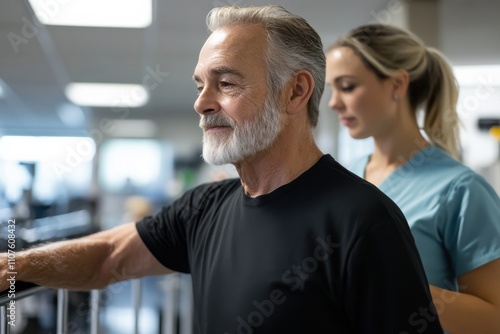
{"points": [[243, 45]]}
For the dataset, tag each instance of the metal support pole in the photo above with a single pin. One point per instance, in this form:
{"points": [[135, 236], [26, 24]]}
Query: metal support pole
{"points": [[136, 300], [95, 296], [62, 311], [5, 329], [186, 305], [171, 305]]}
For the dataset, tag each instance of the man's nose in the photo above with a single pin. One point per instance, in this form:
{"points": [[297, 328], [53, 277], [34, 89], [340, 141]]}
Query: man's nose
{"points": [[206, 102]]}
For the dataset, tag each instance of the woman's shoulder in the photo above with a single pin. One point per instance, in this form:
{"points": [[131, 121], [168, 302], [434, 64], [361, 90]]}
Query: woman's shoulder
{"points": [[461, 178], [437, 161]]}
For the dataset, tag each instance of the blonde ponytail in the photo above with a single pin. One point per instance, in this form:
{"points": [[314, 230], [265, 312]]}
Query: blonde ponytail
{"points": [[441, 122]]}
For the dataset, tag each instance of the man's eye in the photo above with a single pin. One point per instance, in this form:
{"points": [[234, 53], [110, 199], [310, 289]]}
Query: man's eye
{"points": [[225, 84]]}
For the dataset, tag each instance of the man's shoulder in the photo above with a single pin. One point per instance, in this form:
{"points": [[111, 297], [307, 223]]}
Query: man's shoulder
{"points": [[212, 190], [337, 177], [334, 181]]}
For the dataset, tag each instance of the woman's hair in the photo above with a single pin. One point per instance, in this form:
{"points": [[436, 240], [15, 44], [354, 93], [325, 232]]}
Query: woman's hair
{"points": [[293, 46], [433, 88]]}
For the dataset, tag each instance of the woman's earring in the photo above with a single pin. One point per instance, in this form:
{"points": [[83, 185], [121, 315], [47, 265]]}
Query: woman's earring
{"points": [[395, 97]]}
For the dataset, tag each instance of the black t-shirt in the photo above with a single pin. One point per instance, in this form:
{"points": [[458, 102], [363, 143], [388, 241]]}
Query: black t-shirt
{"points": [[325, 253]]}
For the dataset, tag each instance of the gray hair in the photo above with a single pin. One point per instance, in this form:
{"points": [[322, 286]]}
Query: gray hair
{"points": [[293, 46]]}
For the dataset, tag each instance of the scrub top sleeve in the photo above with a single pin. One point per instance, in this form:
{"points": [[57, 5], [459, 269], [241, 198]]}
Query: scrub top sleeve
{"points": [[472, 233]]}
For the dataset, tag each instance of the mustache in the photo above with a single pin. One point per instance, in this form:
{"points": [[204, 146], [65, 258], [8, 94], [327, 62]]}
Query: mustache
{"points": [[215, 120]]}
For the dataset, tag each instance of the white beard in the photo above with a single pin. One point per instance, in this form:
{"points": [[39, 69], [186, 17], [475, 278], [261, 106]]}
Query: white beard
{"points": [[245, 140]]}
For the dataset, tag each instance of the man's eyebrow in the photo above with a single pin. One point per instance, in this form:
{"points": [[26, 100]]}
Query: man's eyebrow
{"points": [[219, 71], [225, 70], [196, 78]]}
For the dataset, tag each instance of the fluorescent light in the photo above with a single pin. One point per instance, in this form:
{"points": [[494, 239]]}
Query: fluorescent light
{"points": [[66, 150], [94, 13], [107, 94], [488, 75]]}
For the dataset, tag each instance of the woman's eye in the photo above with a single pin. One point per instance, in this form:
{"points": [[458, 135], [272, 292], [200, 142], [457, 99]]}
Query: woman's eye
{"points": [[347, 88]]}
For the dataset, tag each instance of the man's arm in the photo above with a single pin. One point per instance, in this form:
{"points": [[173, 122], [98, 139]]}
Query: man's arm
{"points": [[90, 262]]}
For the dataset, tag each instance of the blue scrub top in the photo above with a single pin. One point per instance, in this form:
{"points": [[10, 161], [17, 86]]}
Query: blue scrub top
{"points": [[453, 213]]}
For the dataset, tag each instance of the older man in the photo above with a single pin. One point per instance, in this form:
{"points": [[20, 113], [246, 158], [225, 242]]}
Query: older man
{"points": [[297, 244]]}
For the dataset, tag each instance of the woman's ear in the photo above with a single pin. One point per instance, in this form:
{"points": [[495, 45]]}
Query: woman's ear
{"points": [[299, 91], [400, 82]]}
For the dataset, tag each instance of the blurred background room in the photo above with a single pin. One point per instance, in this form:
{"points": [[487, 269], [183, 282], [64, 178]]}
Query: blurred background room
{"points": [[97, 126]]}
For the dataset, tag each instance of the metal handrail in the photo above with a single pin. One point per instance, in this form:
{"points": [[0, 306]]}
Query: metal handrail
{"points": [[172, 288], [23, 290]]}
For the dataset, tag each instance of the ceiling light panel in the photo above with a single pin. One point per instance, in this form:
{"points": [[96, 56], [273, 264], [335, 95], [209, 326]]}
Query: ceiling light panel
{"points": [[94, 13], [107, 94]]}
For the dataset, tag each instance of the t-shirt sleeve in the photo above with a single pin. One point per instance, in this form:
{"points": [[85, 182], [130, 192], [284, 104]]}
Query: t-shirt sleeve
{"points": [[385, 289], [472, 230], [166, 233]]}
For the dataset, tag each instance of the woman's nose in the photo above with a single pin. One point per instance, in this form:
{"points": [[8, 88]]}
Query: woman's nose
{"points": [[335, 103]]}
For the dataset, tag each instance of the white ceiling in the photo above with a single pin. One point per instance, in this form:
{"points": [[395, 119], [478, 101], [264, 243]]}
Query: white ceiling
{"points": [[35, 71]]}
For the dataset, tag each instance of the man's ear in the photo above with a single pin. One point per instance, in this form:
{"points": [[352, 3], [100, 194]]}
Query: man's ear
{"points": [[400, 82], [299, 91]]}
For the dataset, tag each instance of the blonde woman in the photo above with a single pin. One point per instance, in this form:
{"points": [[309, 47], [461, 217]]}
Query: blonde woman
{"points": [[381, 77]]}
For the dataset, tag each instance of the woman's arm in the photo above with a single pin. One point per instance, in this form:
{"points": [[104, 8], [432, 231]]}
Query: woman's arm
{"points": [[476, 308]]}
